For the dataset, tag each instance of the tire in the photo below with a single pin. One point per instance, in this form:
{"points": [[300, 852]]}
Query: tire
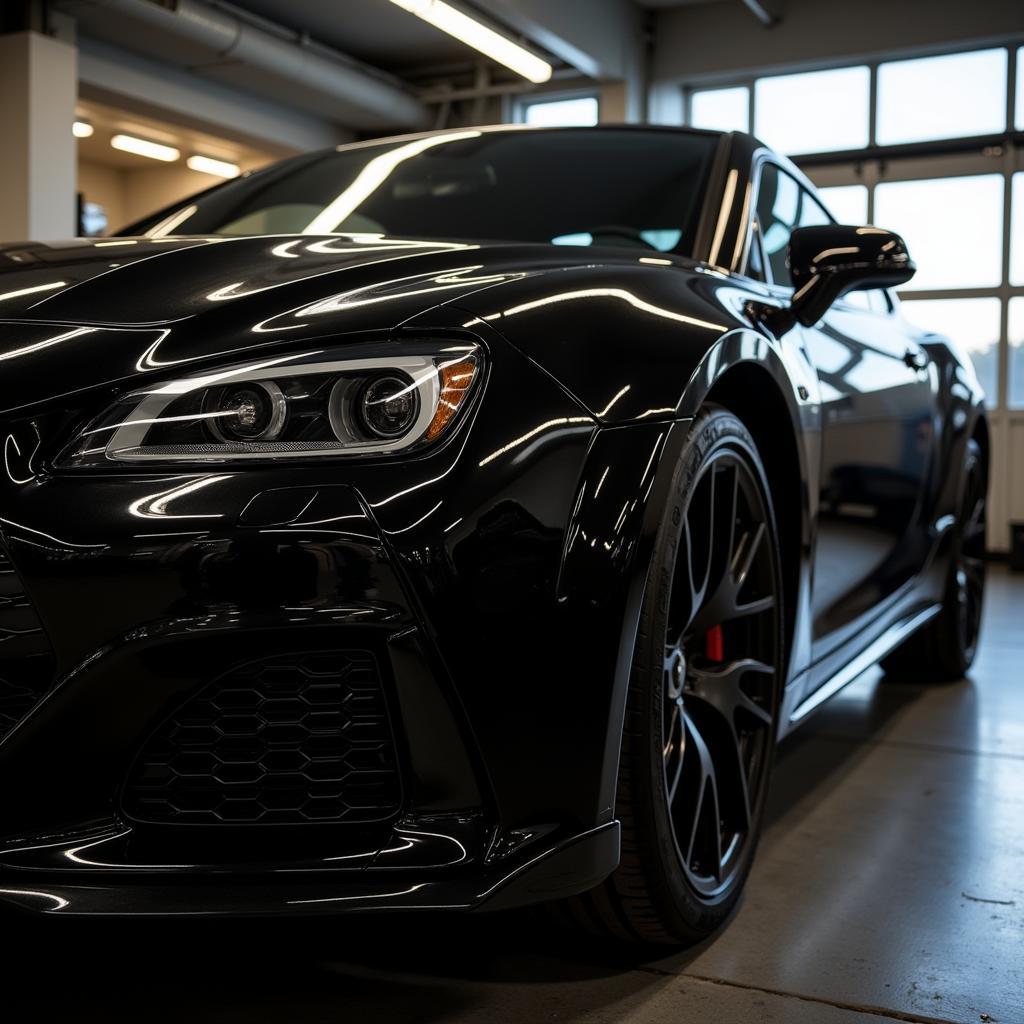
{"points": [[944, 650], [704, 692]]}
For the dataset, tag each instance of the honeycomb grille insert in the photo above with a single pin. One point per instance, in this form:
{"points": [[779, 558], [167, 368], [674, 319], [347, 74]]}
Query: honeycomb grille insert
{"points": [[290, 739]]}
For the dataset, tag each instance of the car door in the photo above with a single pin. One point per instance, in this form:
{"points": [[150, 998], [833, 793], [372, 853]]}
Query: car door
{"points": [[877, 399]]}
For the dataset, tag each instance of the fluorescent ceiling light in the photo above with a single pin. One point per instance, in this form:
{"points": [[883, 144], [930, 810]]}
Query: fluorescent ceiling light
{"points": [[143, 147], [82, 129], [208, 165], [473, 33]]}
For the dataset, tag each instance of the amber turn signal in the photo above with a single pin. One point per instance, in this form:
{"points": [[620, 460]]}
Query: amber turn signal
{"points": [[456, 379]]}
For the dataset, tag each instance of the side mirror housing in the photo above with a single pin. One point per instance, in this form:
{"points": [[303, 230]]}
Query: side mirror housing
{"points": [[829, 260]]}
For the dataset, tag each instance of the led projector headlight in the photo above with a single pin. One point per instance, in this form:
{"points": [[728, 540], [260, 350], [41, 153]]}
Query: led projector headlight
{"points": [[297, 406]]}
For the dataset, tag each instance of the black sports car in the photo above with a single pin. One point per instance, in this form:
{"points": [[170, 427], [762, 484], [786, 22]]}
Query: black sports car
{"points": [[458, 521]]}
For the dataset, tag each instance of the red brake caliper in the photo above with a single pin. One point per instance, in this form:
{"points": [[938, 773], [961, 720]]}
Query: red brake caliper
{"points": [[714, 646]]}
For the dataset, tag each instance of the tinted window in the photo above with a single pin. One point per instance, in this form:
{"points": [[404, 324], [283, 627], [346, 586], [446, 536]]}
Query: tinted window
{"points": [[579, 186], [783, 205]]}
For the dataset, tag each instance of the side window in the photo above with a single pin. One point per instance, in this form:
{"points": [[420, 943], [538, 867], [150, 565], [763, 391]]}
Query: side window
{"points": [[783, 205]]}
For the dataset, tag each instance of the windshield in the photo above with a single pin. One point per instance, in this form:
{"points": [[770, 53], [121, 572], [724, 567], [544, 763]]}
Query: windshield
{"points": [[566, 187]]}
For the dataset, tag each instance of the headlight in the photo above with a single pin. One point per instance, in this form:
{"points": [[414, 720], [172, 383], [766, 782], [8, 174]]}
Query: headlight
{"points": [[314, 404]]}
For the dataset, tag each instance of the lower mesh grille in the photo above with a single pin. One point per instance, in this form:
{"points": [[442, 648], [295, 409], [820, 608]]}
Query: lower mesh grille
{"points": [[26, 663], [291, 739]]}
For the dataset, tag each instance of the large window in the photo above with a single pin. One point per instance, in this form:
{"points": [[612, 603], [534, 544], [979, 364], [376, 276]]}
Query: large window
{"points": [[847, 203], [565, 112], [972, 324], [1017, 231], [953, 228], [815, 112], [724, 110], [1019, 105], [923, 99], [956, 94], [1016, 360]]}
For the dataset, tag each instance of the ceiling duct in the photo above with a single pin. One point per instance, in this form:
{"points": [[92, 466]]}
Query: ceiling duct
{"points": [[216, 42]]}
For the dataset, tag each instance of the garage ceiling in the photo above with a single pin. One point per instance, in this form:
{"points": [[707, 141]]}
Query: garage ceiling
{"points": [[373, 31]]}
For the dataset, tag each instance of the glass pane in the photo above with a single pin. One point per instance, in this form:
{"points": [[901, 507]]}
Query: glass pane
{"points": [[942, 97], [1019, 105], [783, 205], [972, 325], [581, 110], [1017, 230], [847, 203], [814, 112], [724, 110], [1015, 385], [953, 228]]}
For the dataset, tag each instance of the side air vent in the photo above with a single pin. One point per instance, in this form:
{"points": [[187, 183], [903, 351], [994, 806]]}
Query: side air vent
{"points": [[26, 661], [301, 738]]}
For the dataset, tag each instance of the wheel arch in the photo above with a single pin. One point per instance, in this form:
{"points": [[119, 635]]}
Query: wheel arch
{"points": [[751, 394], [745, 373]]}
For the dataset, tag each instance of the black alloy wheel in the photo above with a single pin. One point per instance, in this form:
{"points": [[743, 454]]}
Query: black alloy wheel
{"points": [[721, 658], [701, 715]]}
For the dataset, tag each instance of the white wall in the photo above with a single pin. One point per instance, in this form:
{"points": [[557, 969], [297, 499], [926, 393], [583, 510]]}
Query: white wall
{"points": [[702, 41]]}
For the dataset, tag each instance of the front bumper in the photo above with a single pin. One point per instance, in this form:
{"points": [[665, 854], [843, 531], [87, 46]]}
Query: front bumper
{"points": [[449, 568]]}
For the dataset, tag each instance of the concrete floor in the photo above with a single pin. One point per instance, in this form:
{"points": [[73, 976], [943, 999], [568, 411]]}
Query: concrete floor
{"points": [[889, 885]]}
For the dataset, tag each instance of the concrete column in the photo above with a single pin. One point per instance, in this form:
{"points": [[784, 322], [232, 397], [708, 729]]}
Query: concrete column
{"points": [[39, 86]]}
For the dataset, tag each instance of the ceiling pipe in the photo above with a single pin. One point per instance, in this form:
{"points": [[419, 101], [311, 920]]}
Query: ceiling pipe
{"points": [[382, 99], [760, 12]]}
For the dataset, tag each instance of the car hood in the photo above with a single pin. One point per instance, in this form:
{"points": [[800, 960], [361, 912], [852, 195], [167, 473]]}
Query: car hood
{"points": [[88, 313]]}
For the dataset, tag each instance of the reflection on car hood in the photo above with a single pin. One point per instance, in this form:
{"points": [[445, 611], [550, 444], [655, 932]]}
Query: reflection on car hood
{"points": [[93, 312]]}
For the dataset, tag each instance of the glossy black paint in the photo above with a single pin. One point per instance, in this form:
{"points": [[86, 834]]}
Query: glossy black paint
{"points": [[497, 575], [830, 260]]}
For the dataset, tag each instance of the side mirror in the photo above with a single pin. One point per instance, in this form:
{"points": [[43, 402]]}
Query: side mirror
{"points": [[829, 260]]}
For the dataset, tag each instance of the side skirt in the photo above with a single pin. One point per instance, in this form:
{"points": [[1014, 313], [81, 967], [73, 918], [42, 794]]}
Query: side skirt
{"points": [[885, 644]]}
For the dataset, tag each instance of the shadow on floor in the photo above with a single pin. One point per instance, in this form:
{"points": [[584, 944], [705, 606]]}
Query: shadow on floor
{"points": [[398, 968]]}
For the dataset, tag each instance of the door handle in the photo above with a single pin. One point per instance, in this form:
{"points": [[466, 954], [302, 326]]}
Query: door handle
{"points": [[915, 358]]}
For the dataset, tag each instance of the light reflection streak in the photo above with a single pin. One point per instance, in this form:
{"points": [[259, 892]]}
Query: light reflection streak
{"points": [[12, 440], [56, 340], [59, 902], [560, 422], [423, 518], [168, 224], [442, 282], [621, 392], [361, 896], [611, 293], [284, 249], [48, 536], [723, 215], [154, 506], [371, 177], [52, 286]]}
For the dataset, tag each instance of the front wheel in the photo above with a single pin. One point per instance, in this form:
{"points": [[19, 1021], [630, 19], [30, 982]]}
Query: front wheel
{"points": [[700, 725]]}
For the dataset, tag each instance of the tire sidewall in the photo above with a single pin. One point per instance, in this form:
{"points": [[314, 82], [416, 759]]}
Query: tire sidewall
{"points": [[687, 911]]}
